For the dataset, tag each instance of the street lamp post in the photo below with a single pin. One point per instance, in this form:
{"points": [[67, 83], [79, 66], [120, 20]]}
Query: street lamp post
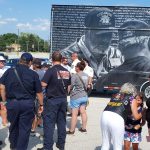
{"points": [[27, 44], [38, 45]]}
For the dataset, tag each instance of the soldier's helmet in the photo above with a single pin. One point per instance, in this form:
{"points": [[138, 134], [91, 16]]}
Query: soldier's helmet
{"points": [[132, 32], [100, 18]]}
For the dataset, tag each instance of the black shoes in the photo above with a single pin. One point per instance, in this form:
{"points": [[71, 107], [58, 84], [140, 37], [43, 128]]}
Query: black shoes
{"points": [[40, 148], [83, 130], [70, 132], [59, 147]]}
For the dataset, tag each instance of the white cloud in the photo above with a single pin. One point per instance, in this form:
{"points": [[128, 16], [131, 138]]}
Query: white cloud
{"points": [[37, 25], [2, 22], [10, 19], [6, 20], [43, 24], [24, 25]]}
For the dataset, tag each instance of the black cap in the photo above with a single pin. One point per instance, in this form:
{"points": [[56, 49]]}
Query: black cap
{"points": [[100, 18], [133, 28], [26, 57]]}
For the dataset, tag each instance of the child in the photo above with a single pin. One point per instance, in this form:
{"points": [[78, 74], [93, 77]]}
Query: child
{"points": [[133, 127]]}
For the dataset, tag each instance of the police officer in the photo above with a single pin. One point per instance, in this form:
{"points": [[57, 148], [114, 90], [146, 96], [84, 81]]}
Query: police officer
{"points": [[134, 44], [56, 80], [94, 43], [20, 100]]}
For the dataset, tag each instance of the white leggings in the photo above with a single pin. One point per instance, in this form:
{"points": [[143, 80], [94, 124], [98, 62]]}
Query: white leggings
{"points": [[112, 128]]}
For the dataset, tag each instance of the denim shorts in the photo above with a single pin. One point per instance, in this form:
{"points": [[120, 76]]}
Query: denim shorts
{"points": [[132, 137], [78, 102]]}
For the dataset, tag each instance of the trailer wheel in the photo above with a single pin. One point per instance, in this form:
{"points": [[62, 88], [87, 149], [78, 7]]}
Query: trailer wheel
{"points": [[145, 88]]}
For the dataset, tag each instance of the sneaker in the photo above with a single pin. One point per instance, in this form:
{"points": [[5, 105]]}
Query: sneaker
{"points": [[70, 132], [82, 130]]}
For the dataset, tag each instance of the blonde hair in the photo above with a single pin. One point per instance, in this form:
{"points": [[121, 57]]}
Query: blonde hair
{"points": [[128, 88]]}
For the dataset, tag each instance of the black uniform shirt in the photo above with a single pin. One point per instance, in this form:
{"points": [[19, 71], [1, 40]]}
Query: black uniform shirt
{"points": [[29, 78], [55, 87]]}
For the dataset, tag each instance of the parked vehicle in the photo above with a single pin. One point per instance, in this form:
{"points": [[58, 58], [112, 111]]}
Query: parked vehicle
{"points": [[12, 62]]}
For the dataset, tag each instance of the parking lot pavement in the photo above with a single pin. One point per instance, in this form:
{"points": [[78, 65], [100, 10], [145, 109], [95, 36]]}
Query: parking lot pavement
{"points": [[79, 141]]}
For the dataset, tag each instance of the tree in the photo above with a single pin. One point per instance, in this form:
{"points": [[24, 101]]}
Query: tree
{"points": [[32, 42], [28, 42], [7, 40]]}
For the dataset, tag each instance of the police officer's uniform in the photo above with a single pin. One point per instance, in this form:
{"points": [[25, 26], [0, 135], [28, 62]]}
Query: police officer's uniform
{"points": [[55, 106], [20, 104]]}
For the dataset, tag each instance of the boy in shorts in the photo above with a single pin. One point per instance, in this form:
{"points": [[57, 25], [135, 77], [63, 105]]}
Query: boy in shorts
{"points": [[133, 127]]}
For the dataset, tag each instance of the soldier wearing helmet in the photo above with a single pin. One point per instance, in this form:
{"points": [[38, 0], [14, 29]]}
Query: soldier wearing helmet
{"points": [[93, 45]]}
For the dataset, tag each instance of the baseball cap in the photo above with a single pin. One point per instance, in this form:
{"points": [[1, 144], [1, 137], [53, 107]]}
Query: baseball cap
{"points": [[2, 58], [100, 18], [26, 57], [133, 28]]}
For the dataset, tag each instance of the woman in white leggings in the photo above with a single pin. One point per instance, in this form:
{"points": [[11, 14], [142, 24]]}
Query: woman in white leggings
{"points": [[113, 116]]}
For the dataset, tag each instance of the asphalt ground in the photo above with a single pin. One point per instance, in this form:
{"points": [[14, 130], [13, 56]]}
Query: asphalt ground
{"points": [[79, 141]]}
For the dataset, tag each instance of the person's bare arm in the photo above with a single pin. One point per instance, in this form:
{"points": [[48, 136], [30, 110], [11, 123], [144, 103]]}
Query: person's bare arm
{"points": [[40, 99], [69, 88], [90, 80], [143, 117], [3, 92], [134, 109], [43, 84]]}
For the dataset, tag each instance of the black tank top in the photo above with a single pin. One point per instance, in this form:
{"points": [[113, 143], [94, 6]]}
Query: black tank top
{"points": [[120, 104]]}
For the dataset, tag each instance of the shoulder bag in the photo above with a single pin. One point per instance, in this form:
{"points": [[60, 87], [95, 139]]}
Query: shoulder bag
{"points": [[85, 89], [16, 73]]}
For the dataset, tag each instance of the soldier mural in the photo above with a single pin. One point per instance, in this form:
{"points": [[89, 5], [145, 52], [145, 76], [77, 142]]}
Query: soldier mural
{"points": [[94, 44], [114, 39]]}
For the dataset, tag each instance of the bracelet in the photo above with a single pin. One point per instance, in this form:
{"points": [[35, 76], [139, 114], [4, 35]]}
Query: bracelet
{"points": [[41, 105]]}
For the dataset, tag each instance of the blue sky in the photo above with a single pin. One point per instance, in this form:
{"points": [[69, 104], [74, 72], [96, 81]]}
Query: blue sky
{"points": [[33, 16]]}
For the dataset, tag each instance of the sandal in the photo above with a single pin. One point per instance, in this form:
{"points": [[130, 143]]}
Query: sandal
{"points": [[82, 130], [70, 132]]}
